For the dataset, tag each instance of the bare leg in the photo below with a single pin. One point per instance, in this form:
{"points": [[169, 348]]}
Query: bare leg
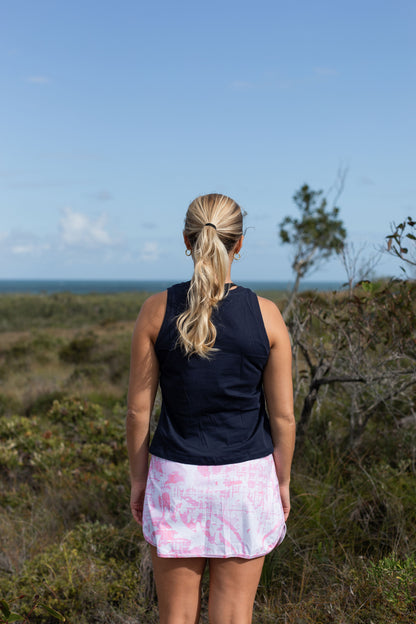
{"points": [[178, 587], [232, 589]]}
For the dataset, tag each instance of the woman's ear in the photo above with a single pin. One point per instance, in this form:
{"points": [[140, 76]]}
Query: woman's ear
{"points": [[239, 244], [186, 241]]}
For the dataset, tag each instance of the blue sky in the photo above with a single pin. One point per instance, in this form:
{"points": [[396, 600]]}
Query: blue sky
{"points": [[115, 115]]}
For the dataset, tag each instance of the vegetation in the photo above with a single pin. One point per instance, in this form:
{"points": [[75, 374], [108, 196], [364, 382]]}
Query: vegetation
{"points": [[362, 349], [315, 235], [401, 242], [68, 545], [20, 312]]}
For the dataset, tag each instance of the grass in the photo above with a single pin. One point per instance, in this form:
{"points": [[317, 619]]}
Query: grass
{"points": [[66, 531], [25, 312]]}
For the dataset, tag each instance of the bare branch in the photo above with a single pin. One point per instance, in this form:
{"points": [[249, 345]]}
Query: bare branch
{"points": [[370, 411], [331, 380], [306, 355], [357, 265], [339, 184]]}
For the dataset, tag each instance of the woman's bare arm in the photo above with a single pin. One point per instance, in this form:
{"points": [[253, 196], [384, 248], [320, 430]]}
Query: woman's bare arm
{"points": [[143, 383], [278, 390]]}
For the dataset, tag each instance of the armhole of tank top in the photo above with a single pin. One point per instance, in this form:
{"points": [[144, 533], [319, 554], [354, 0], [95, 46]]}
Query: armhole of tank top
{"points": [[165, 316], [263, 326]]}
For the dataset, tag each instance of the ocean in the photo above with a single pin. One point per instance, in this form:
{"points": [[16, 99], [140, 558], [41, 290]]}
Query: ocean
{"points": [[81, 287]]}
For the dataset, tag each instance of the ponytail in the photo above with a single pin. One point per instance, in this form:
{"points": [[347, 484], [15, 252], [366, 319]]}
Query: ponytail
{"points": [[213, 225]]}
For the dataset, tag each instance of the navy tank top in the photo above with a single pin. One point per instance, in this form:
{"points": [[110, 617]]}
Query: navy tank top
{"points": [[213, 410]]}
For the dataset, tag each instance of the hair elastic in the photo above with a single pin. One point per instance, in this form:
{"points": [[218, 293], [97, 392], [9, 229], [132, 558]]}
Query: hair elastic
{"points": [[212, 225]]}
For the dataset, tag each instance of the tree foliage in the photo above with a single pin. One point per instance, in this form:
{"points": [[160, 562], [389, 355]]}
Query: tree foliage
{"points": [[402, 241], [315, 235]]}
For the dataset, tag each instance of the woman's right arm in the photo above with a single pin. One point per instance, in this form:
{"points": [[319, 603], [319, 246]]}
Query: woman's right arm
{"points": [[278, 390], [143, 383]]}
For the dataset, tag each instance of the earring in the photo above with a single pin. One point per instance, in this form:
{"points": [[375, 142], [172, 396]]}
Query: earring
{"points": [[186, 252], [237, 256]]}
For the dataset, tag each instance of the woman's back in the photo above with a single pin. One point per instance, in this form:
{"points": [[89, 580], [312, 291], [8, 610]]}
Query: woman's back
{"points": [[213, 408]]}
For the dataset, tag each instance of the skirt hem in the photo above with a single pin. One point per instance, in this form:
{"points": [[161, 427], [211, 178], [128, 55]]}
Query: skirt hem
{"points": [[226, 556]]}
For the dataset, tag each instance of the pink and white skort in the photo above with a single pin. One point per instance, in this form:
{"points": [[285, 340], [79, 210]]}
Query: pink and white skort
{"points": [[231, 510]]}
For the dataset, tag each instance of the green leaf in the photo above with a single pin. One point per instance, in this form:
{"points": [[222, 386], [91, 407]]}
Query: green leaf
{"points": [[14, 617], [51, 611], [5, 607], [411, 236]]}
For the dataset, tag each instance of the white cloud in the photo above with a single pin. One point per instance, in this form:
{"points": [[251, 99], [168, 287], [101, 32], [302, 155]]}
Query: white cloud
{"points": [[38, 79], [23, 243], [29, 248], [79, 230], [22, 249], [150, 252]]}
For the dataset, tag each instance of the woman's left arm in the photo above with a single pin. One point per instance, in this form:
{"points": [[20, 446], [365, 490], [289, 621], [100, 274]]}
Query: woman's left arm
{"points": [[143, 383]]}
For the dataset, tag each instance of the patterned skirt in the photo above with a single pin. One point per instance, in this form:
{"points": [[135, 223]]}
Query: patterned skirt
{"points": [[231, 510]]}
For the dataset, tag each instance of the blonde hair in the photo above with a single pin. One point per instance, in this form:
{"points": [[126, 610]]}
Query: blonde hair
{"points": [[210, 250]]}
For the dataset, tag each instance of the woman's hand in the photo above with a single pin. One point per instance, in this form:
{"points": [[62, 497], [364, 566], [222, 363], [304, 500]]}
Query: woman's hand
{"points": [[285, 498], [137, 499]]}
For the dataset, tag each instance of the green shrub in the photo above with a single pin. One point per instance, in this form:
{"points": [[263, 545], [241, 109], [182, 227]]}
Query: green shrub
{"points": [[94, 373], [43, 402], [76, 583], [73, 410], [396, 580], [79, 349], [8, 404]]}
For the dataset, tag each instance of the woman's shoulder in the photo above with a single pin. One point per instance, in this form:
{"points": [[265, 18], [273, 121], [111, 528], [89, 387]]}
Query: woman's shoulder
{"points": [[267, 306], [152, 313], [273, 320], [154, 302]]}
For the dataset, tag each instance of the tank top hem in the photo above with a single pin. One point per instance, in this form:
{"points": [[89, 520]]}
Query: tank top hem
{"points": [[209, 460]]}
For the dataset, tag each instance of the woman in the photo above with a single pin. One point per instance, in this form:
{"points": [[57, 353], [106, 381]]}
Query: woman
{"points": [[217, 488]]}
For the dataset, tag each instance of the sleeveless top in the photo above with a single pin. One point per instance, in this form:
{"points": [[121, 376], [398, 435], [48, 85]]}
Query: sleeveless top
{"points": [[213, 410]]}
